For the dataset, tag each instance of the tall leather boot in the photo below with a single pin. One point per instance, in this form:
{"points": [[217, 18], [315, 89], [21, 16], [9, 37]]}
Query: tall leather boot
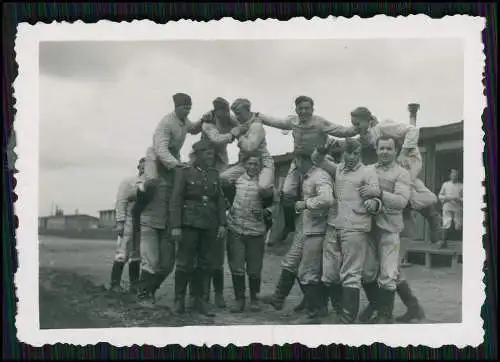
{"points": [[435, 221], [385, 306], [116, 276], [283, 288], [134, 269], [202, 286], [313, 301], [335, 294], [180, 287], [302, 305], [414, 310], [146, 286], [443, 244], [371, 290], [254, 286], [218, 280], [191, 290], [239, 293], [322, 300], [350, 305]]}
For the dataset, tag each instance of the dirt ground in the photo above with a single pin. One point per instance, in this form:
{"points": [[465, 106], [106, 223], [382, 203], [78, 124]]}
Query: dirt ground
{"points": [[74, 275]]}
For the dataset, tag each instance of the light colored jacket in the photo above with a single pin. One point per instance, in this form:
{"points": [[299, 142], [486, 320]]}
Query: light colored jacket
{"points": [[455, 191], [125, 199], [317, 192], [348, 212], [395, 183], [254, 140], [246, 215]]}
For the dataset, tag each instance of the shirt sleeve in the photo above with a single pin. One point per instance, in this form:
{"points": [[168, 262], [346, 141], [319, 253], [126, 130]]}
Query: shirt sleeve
{"points": [[280, 123], [372, 180], [194, 127], [177, 198], [401, 131], [253, 138], [161, 143], [215, 136], [337, 130], [324, 194], [442, 193], [122, 200], [325, 163], [399, 198]]}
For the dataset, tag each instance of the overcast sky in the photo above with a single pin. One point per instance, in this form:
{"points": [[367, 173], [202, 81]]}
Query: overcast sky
{"points": [[100, 101]]}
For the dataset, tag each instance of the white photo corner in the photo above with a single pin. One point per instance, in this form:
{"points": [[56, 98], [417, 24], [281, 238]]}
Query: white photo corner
{"points": [[304, 181]]}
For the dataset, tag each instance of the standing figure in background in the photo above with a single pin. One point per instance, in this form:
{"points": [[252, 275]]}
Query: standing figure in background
{"points": [[197, 219], [128, 237], [246, 234], [162, 159], [309, 131], [422, 199], [253, 139], [451, 197]]}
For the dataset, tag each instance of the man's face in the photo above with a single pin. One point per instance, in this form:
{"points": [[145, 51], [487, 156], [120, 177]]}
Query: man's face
{"points": [[252, 166], [453, 175], [140, 167], [222, 113], [352, 158], [386, 151], [304, 110], [207, 157], [361, 124], [242, 113], [182, 112]]}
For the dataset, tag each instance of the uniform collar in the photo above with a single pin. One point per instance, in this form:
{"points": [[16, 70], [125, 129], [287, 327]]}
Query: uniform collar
{"points": [[344, 169]]}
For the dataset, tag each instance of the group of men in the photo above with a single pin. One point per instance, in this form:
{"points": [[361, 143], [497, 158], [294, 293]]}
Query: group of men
{"points": [[347, 216]]}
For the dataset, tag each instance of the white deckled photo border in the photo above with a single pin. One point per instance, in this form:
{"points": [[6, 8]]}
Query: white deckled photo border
{"points": [[467, 333]]}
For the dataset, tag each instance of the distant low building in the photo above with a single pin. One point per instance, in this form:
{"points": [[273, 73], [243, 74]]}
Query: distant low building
{"points": [[68, 222], [107, 218]]}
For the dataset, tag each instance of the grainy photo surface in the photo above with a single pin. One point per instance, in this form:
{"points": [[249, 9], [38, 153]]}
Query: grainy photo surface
{"points": [[296, 187]]}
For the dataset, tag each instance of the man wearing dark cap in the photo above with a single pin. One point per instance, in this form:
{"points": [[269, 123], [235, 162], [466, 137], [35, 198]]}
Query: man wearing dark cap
{"points": [[252, 139], [309, 132], [128, 246], [197, 219], [162, 159], [422, 199]]}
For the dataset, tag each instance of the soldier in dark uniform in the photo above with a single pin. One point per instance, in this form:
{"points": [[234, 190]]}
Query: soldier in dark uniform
{"points": [[198, 220]]}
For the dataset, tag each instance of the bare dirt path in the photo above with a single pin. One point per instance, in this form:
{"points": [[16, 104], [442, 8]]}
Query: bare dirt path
{"points": [[73, 274]]}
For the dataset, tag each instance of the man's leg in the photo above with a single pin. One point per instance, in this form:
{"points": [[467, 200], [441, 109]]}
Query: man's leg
{"points": [[236, 259], [218, 256], [254, 257], [150, 264], [231, 174], [310, 274], [121, 257], [289, 196], [389, 275], [167, 258], [207, 242], [369, 279], [332, 261], [184, 269], [414, 310], [425, 201], [134, 266], [447, 219], [354, 244], [289, 268]]}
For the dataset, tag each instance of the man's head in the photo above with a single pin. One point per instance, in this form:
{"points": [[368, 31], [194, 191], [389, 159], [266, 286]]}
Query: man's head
{"points": [[204, 153], [252, 163], [221, 108], [352, 153], [304, 107], [182, 103], [386, 150], [454, 175], [361, 119], [140, 165], [241, 109]]}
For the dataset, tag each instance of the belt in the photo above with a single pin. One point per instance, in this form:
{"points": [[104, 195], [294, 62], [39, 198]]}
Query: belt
{"points": [[203, 198]]}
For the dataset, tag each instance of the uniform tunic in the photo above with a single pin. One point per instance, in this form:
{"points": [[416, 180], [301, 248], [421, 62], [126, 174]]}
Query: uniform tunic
{"points": [[125, 200], [395, 183], [451, 196], [253, 140], [246, 229], [306, 138], [349, 224], [198, 207]]}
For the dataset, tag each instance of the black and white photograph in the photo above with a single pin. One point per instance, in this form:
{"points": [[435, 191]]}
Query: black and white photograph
{"points": [[280, 184]]}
